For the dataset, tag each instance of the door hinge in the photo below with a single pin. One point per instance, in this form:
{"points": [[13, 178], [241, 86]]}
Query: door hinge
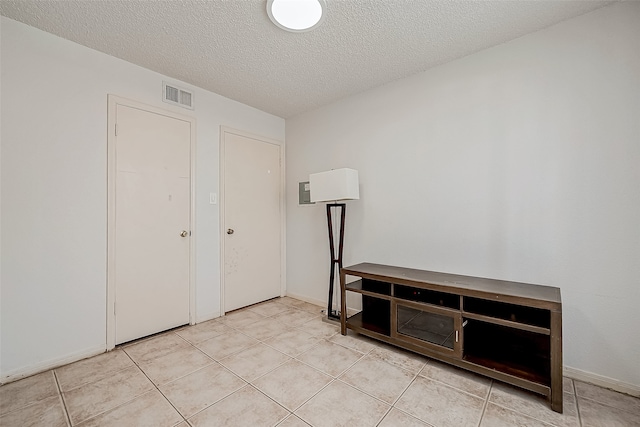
{"points": [[116, 129], [114, 308]]}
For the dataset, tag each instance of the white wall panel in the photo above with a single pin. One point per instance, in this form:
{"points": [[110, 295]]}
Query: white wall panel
{"points": [[520, 162], [54, 184]]}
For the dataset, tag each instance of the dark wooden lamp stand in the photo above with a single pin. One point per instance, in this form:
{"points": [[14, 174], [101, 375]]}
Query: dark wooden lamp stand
{"points": [[335, 259]]}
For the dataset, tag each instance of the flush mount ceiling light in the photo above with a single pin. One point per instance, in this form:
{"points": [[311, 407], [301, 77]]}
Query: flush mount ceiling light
{"points": [[296, 15]]}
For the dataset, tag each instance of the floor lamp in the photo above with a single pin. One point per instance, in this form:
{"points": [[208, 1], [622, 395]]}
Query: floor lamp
{"points": [[334, 186]]}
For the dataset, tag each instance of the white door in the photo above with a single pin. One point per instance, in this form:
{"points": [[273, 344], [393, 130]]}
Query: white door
{"points": [[252, 220], [152, 222]]}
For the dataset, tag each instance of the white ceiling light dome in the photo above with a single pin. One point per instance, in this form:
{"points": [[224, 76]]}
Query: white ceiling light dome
{"points": [[296, 15]]}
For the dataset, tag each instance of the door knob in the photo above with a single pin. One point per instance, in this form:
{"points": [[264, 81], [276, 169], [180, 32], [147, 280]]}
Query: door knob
{"points": [[184, 233], [229, 230]]}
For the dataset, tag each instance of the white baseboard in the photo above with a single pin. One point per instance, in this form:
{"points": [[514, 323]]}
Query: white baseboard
{"points": [[18, 374], [602, 381], [28, 371], [321, 303]]}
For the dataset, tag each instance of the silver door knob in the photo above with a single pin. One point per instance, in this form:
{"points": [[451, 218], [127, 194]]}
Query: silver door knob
{"points": [[184, 233], [229, 230]]}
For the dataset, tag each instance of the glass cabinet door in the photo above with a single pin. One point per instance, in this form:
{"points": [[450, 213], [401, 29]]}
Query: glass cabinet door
{"points": [[428, 326]]}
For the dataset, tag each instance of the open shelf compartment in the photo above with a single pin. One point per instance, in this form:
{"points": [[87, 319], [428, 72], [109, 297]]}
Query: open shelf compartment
{"points": [[516, 352], [376, 287], [427, 296], [375, 316], [512, 312]]}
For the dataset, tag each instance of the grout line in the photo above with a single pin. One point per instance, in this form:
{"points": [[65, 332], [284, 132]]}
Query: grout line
{"points": [[219, 400], [64, 402], [116, 407], [364, 392], [575, 396], [577, 406], [486, 403], [578, 411], [384, 415], [274, 401], [159, 391], [110, 373], [454, 387], [312, 396], [405, 389], [524, 414]]}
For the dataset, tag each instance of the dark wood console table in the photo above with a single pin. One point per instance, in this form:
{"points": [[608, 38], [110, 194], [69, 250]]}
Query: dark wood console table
{"points": [[508, 331]]}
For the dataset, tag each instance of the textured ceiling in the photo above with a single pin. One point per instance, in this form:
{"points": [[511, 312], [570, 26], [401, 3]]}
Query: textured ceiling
{"points": [[231, 48]]}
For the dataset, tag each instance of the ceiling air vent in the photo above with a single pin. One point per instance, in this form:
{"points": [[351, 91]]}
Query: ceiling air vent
{"points": [[173, 94]]}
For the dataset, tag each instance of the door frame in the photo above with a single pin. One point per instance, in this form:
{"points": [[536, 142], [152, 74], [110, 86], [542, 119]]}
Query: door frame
{"points": [[113, 101], [283, 250]]}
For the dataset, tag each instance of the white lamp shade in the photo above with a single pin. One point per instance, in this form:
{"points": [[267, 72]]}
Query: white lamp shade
{"points": [[336, 184]]}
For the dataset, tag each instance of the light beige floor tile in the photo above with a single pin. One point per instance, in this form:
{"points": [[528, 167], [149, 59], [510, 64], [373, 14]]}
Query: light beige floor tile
{"points": [[48, 412], [94, 398], [203, 331], [535, 406], [440, 405], [322, 318], [458, 378], [246, 407], [151, 348], [287, 301], [567, 385], [29, 390], [497, 416], [292, 342], [176, 364], [594, 414], [412, 362], [608, 397], [319, 329], [92, 369], [378, 378], [109, 389], [293, 421], [354, 342], [292, 384], [201, 389], [397, 418], [294, 317], [330, 358], [238, 319], [263, 329], [342, 405], [150, 409], [268, 309], [226, 344], [254, 362], [306, 306]]}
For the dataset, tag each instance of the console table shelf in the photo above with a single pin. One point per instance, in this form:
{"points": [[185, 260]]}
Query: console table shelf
{"points": [[508, 331]]}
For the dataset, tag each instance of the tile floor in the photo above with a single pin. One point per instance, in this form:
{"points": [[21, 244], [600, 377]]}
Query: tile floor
{"points": [[277, 363]]}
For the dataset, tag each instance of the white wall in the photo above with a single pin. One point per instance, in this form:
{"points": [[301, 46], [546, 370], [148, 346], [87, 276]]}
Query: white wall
{"points": [[520, 162], [54, 184]]}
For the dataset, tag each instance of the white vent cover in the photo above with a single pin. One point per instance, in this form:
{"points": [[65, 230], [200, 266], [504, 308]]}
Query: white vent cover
{"points": [[173, 94]]}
